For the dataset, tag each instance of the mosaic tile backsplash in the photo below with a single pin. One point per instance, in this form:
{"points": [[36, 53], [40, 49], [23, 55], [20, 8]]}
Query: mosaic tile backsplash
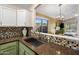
{"points": [[74, 44], [12, 32]]}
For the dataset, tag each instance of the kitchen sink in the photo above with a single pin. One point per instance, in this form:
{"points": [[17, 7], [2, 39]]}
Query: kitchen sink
{"points": [[34, 42]]}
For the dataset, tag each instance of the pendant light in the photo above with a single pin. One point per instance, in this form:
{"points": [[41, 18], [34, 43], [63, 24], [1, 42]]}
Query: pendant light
{"points": [[61, 25], [60, 17]]}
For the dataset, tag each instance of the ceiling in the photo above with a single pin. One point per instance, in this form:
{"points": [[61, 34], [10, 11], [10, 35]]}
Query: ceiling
{"points": [[53, 10], [23, 6], [20, 6]]}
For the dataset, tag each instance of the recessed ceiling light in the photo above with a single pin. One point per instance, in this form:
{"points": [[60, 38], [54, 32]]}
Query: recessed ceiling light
{"points": [[76, 15]]}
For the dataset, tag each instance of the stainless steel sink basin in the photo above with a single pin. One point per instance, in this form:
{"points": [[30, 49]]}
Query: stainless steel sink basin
{"points": [[34, 42]]}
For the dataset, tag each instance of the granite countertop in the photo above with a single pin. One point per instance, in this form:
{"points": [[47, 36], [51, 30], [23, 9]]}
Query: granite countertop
{"points": [[51, 49], [46, 49]]}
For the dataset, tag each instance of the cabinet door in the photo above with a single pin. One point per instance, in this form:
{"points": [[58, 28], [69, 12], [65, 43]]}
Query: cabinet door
{"points": [[8, 48], [28, 19], [24, 18], [21, 17], [0, 15], [8, 16], [24, 50]]}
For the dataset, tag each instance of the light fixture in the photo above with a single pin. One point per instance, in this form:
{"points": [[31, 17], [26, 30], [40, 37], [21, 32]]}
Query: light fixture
{"points": [[76, 15], [60, 17], [60, 26], [60, 10]]}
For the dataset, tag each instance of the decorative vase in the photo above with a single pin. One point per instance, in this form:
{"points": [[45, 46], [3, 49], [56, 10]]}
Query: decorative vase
{"points": [[24, 32]]}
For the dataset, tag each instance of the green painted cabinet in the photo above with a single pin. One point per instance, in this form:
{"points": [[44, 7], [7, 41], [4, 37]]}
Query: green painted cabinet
{"points": [[24, 50], [15, 48], [9, 48]]}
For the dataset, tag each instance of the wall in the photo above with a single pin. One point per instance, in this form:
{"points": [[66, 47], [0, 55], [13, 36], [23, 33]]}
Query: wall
{"points": [[78, 26], [74, 20], [51, 23], [12, 32], [70, 22]]}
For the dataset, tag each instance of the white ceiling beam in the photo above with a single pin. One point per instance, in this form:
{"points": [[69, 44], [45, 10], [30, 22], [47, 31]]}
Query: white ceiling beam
{"points": [[34, 6]]}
